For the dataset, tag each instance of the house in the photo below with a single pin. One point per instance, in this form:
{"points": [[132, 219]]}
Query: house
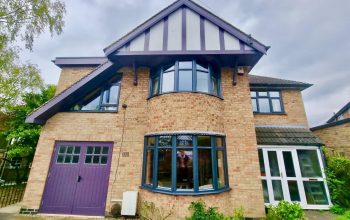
{"points": [[335, 133], [172, 112]]}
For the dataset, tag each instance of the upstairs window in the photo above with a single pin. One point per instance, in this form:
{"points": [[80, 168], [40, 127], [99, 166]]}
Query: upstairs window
{"points": [[102, 99], [185, 76], [266, 101]]}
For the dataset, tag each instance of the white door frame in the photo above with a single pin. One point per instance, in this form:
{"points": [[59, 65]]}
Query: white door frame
{"points": [[298, 177]]}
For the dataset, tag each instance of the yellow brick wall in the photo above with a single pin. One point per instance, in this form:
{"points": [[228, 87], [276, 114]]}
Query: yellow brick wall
{"points": [[294, 109], [336, 138], [70, 75]]}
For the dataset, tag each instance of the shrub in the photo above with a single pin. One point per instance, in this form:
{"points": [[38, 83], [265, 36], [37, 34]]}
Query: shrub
{"points": [[200, 211], [336, 209], [285, 210], [149, 211], [116, 210]]}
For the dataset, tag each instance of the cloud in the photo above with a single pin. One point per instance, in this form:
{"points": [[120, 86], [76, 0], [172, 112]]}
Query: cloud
{"points": [[309, 40]]}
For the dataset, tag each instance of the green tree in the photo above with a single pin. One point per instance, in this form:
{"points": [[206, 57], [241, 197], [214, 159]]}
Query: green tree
{"points": [[22, 21], [23, 136]]}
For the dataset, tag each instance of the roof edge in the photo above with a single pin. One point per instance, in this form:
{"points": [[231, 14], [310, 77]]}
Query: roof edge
{"points": [[332, 124], [78, 61], [339, 112]]}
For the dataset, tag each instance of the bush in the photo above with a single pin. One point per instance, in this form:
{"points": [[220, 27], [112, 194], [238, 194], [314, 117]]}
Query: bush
{"points": [[285, 210], [149, 211], [116, 210], [200, 211], [336, 209]]}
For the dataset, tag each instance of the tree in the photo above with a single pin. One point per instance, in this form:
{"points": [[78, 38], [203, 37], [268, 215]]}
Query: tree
{"points": [[22, 21], [23, 136]]}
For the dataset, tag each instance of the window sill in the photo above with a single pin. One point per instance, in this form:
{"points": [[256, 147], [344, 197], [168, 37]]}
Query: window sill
{"points": [[269, 113], [150, 97], [186, 193]]}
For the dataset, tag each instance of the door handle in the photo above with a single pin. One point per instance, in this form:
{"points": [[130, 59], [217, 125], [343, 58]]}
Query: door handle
{"points": [[78, 179]]}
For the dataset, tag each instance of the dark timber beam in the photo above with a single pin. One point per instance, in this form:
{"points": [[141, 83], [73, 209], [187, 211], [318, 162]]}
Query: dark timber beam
{"points": [[234, 74], [135, 74]]}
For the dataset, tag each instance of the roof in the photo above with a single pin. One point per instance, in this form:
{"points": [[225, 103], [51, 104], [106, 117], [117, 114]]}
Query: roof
{"points": [[286, 136], [264, 81], [79, 61], [331, 124], [341, 111]]}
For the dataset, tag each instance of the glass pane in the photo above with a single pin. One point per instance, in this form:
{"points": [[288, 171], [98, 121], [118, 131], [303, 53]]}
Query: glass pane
{"points": [[105, 97], [69, 149], [221, 169], [77, 150], [168, 82], [105, 150], [184, 141], [205, 169], [96, 159], [288, 163], [151, 141], [315, 193], [59, 159], [67, 159], [184, 169], [149, 167], [276, 105], [92, 101], [262, 93], [202, 67], [214, 86], [252, 94], [170, 68], [97, 150], [265, 191], [293, 190], [202, 82], [274, 169], [164, 168], [164, 141], [204, 141], [219, 142], [103, 159], [185, 65], [261, 162], [274, 94], [264, 105], [89, 150], [113, 94], [75, 159], [254, 105], [155, 86], [62, 149], [277, 190], [185, 80], [309, 164], [88, 159]]}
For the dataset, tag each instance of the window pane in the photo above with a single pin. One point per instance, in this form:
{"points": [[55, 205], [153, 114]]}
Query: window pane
{"points": [[261, 162], [202, 81], [205, 170], [96, 159], [164, 168], [92, 101], [254, 106], [151, 141], [105, 150], [202, 67], [169, 68], [97, 150], [75, 159], [265, 191], [273, 162], [221, 169], [113, 94], [204, 141], [62, 149], [185, 80], [185, 65], [288, 163], [168, 82], [164, 141], [59, 159], [67, 159], [274, 94], [264, 105], [89, 150], [88, 159], [262, 93], [155, 86], [104, 159], [293, 191], [149, 167], [315, 193], [77, 150], [184, 141], [184, 169], [309, 164], [69, 149], [276, 105], [219, 142], [252, 94], [277, 190], [214, 86]]}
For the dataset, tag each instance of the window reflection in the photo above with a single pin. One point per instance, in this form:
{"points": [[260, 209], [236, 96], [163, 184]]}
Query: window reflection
{"points": [[164, 168], [205, 169], [184, 169]]}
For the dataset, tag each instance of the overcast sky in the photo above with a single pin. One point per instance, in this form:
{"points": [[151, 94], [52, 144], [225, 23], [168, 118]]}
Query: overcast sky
{"points": [[309, 40]]}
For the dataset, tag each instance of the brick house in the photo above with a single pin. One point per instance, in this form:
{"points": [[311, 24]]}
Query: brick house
{"points": [[172, 112], [335, 133]]}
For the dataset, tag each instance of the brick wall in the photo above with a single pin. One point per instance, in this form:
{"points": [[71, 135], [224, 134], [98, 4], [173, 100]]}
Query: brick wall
{"points": [[168, 112], [336, 138], [70, 75], [294, 109]]}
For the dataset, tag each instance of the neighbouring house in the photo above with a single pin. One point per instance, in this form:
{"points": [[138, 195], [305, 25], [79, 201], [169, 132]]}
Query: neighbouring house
{"points": [[172, 112], [335, 133]]}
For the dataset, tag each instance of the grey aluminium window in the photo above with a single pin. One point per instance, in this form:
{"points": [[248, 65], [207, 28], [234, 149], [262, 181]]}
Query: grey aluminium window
{"points": [[266, 101], [185, 164]]}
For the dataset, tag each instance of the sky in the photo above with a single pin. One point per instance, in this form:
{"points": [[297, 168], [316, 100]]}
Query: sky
{"points": [[309, 40]]}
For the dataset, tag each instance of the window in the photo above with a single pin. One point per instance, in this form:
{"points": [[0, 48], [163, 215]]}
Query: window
{"points": [[68, 155], [185, 164], [96, 155], [101, 99], [185, 76], [266, 101]]}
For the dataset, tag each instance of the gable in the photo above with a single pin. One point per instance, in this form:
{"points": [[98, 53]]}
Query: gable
{"points": [[185, 27]]}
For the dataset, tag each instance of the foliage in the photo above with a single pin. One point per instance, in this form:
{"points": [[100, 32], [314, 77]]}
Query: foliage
{"points": [[25, 136], [285, 210], [22, 21], [116, 210], [336, 209], [149, 211], [201, 212], [345, 216], [338, 179]]}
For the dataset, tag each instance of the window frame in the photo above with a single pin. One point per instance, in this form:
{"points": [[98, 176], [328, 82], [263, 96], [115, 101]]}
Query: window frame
{"points": [[257, 97], [195, 148], [160, 71]]}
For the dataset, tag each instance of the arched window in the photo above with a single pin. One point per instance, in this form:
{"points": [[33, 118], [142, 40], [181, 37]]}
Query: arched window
{"points": [[185, 164], [185, 76]]}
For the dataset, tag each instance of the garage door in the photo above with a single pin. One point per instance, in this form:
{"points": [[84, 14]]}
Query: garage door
{"points": [[77, 182]]}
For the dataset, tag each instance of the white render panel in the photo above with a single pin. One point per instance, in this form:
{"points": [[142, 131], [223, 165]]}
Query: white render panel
{"points": [[156, 37], [175, 30], [193, 33], [231, 43], [138, 44], [212, 39]]}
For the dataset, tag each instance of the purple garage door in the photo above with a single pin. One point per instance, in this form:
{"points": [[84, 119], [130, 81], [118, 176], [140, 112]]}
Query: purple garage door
{"points": [[78, 179]]}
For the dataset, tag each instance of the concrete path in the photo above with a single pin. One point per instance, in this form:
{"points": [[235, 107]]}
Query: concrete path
{"points": [[320, 215], [11, 209]]}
